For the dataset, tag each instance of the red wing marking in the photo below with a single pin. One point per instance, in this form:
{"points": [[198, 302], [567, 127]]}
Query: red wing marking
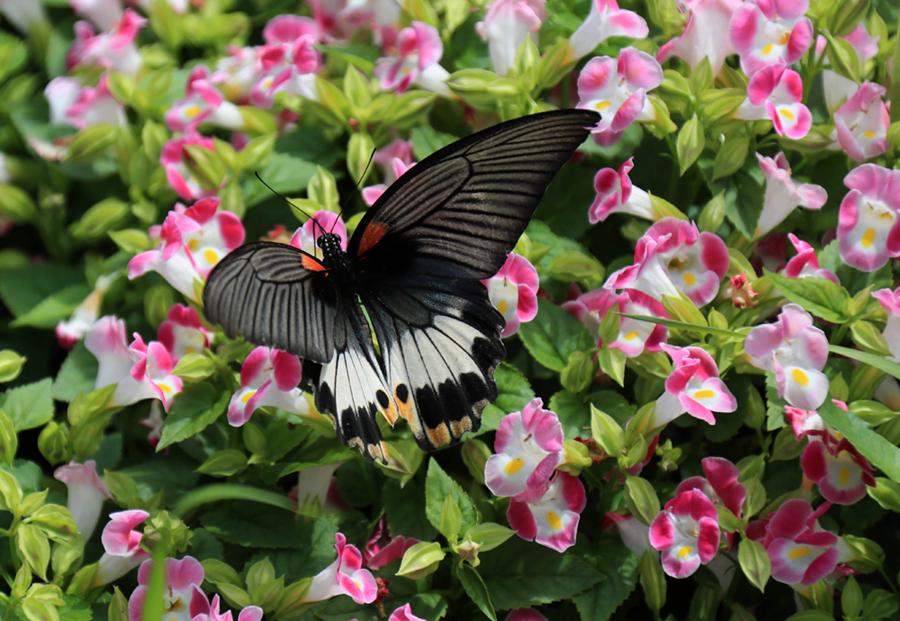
{"points": [[311, 263], [371, 236]]}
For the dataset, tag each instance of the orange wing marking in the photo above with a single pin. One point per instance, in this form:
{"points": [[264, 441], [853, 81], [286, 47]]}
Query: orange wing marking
{"points": [[371, 236], [311, 264]]}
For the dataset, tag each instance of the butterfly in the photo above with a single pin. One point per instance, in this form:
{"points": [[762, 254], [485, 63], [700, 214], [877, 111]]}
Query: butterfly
{"points": [[400, 324]]}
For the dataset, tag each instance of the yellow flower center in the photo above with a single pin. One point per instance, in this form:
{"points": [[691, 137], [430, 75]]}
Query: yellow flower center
{"points": [[799, 552], [786, 114], [553, 520], [192, 111], [247, 396], [767, 49], [705, 393], [799, 376], [514, 466], [165, 388], [602, 105], [685, 551], [210, 256], [868, 238], [785, 38], [630, 336], [843, 476], [689, 279], [503, 306], [869, 134]]}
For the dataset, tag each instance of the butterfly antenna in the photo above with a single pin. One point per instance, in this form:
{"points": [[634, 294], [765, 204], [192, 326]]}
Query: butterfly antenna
{"points": [[288, 201], [358, 183]]}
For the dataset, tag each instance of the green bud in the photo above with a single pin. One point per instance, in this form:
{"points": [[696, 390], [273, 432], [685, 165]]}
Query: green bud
{"points": [[169, 530], [357, 88], [118, 607], [92, 141], [53, 442], [851, 598], [713, 213], [652, 580], [15, 204], [578, 373], [359, 150], [259, 573], [450, 520], [205, 165], [730, 158], [10, 493], [846, 15], [153, 137], [404, 459], [66, 555], [607, 432], [842, 56], [421, 560], [195, 366], [489, 535], [34, 547], [664, 209], [680, 308], [97, 221], [323, 189], [468, 551], [754, 562], [690, 143], [475, 454], [574, 265], [576, 457], [641, 499], [661, 125]]}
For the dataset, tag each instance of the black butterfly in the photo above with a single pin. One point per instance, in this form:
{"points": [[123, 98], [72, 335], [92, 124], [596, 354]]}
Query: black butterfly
{"points": [[412, 274]]}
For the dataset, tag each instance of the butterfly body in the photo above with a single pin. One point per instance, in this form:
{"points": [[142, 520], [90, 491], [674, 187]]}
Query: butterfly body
{"points": [[400, 324]]}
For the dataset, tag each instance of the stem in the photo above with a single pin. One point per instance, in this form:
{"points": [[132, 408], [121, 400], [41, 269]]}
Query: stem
{"points": [[838, 335], [227, 491]]}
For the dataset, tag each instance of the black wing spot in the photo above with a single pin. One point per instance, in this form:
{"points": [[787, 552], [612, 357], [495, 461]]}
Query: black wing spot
{"points": [[382, 397], [402, 393]]}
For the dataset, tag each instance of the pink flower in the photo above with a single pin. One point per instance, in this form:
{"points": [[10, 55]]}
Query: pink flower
{"points": [[513, 292], [394, 160], [838, 469], [776, 93], [154, 422], [783, 194], [382, 550], [550, 518], [890, 300], [182, 577], [634, 533], [414, 59], [869, 218], [182, 332], [201, 609], [705, 34], [770, 32], [720, 484], [795, 351], [192, 240], [140, 371], [605, 20], [506, 25], [323, 221], [236, 74], [203, 103], [314, 486], [805, 263], [617, 89], [528, 448], [176, 160], [289, 60], [340, 19], [635, 336], [615, 194], [269, 377], [404, 613], [114, 49], [674, 257], [105, 14], [345, 576], [693, 387], [862, 122], [71, 330], [686, 532], [525, 614], [121, 545], [86, 494], [72, 103]]}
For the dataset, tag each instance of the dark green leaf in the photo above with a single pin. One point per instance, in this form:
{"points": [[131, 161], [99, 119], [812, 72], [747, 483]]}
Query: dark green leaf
{"points": [[192, 412], [476, 590], [438, 486], [77, 374], [554, 335]]}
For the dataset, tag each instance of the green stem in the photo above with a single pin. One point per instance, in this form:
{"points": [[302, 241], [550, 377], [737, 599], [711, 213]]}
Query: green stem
{"points": [[10, 613], [838, 335], [226, 491]]}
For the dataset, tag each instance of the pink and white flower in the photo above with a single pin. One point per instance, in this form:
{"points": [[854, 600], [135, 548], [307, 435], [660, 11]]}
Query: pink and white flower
{"points": [[237, 73], [114, 49], [192, 240], [605, 20], [525, 614], [862, 122], [182, 332], [23, 14], [837, 468], [705, 34], [182, 577], [323, 221], [414, 59], [686, 533], [720, 484], [550, 518], [770, 32], [616, 194], [869, 218], [890, 300], [314, 486], [634, 533], [345, 576], [776, 93], [394, 160], [528, 447], [203, 103], [783, 194], [176, 161], [634, 336], [383, 550], [506, 26], [201, 609], [805, 263], [674, 257], [289, 59], [617, 89], [269, 377], [86, 494], [105, 14], [71, 330], [404, 613], [513, 292], [140, 371], [72, 103], [796, 352], [121, 541], [693, 387]]}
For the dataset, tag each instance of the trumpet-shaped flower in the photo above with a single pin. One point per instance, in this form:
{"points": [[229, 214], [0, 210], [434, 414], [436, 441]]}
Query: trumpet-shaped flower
{"points": [[805, 263], [71, 330], [634, 533], [201, 609], [177, 162], [686, 533], [414, 59], [182, 332], [393, 160], [862, 122], [72, 103], [776, 93], [890, 300], [182, 577], [617, 89], [720, 484], [404, 613], [345, 576], [269, 377], [795, 351], [381, 550], [550, 518], [837, 468], [121, 541], [323, 221], [506, 25], [289, 60], [674, 257], [192, 241], [869, 218], [237, 73], [113, 49], [86, 494], [705, 34], [616, 194], [770, 32], [528, 448], [105, 14], [693, 387], [634, 335], [202, 103], [513, 292], [605, 20], [783, 194]]}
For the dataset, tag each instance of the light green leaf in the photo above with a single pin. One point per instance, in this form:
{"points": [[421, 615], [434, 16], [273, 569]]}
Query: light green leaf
{"points": [[819, 296], [880, 453], [192, 412], [476, 590], [28, 406], [438, 486], [554, 335], [882, 363], [755, 564]]}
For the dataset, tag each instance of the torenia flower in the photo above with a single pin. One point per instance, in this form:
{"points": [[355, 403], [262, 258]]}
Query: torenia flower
{"points": [[381, 550], [289, 60], [862, 122], [86, 494], [705, 34], [513, 292], [686, 533], [674, 257], [105, 14], [414, 59], [837, 468], [71, 330], [617, 89], [72, 103], [323, 221], [237, 73], [528, 448], [720, 484], [397, 167], [404, 613], [345, 576], [268, 377], [890, 300], [203, 103], [525, 614], [634, 533], [795, 351], [783, 194], [192, 241], [605, 20], [693, 387], [176, 161], [634, 336], [615, 194], [121, 544], [800, 553], [201, 609], [506, 25], [182, 332], [776, 94], [182, 577], [550, 518], [114, 49], [869, 219], [140, 371], [770, 32], [805, 263]]}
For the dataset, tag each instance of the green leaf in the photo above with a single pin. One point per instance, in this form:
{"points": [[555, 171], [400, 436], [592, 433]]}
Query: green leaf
{"points": [[819, 296], [689, 144], [811, 615], [489, 535], [76, 375], [881, 363], [754, 563], [28, 406], [513, 390], [23, 288], [653, 582], [55, 307], [11, 364], [880, 453], [886, 493], [476, 589], [420, 560], [285, 173], [193, 411], [689, 327], [554, 335], [223, 463], [438, 486], [619, 568], [607, 432], [34, 547], [640, 496]]}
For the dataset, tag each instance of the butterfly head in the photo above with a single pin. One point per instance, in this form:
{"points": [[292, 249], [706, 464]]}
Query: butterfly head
{"points": [[331, 247]]}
